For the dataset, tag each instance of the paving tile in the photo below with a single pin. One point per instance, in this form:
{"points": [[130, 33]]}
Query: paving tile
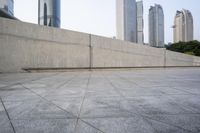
{"points": [[84, 127], [155, 105], [45, 126], [37, 109], [17, 93], [69, 104], [121, 101], [3, 115], [137, 91], [192, 89], [69, 92], [183, 122], [5, 126], [134, 124], [171, 91], [2, 85], [190, 102], [11, 79], [103, 107], [161, 127], [104, 92]]}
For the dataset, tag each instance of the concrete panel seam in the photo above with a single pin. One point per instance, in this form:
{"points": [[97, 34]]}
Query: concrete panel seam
{"points": [[91, 51], [165, 57]]}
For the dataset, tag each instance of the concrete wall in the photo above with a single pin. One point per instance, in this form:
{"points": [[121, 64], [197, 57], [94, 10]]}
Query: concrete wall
{"points": [[179, 59], [115, 53], [24, 45]]}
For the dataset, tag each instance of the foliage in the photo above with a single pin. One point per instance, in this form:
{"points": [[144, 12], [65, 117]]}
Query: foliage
{"points": [[189, 53], [192, 47]]}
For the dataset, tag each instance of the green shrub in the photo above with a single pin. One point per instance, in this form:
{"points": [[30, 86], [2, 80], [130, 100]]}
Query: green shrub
{"points": [[192, 47]]}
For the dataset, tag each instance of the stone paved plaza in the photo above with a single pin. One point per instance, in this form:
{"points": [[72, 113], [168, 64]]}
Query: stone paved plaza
{"points": [[117, 101]]}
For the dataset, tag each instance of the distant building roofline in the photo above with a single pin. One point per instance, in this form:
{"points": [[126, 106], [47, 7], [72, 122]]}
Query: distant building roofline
{"points": [[155, 5], [5, 14]]}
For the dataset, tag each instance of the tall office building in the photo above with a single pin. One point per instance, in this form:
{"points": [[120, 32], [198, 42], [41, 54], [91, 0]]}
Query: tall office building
{"points": [[126, 20], [183, 26], [49, 13], [156, 26], [8, 6], [140, 22]]}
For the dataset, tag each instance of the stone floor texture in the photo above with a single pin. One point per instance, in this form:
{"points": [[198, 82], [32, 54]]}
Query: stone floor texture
{"points": [[115, 101]]}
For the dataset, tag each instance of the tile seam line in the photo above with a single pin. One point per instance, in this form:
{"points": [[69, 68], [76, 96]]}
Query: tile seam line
{"points": [[110, 117], [142, 114], [49, 101], [125, 79], [78, 118], [183, 90], [115, 88], [170, 96], [131, 114], [145, 117], [8, 115], [66, 82], [146, 120], [75, 117], [184, 108], [123, 97], [32, 80], [169, 124], [91, 126]]}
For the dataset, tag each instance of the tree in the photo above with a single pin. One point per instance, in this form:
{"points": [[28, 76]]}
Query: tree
{"points": [[192, 47]]}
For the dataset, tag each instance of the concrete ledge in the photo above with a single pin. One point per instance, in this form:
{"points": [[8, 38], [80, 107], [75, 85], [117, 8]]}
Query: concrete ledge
{"points": [[99, 68]]}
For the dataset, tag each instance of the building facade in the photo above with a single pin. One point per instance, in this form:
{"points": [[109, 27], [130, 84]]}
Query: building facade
{"points": [[140, 22], [183, 26], [126, 16], [156, 26], [8, 6], [49, 13]]}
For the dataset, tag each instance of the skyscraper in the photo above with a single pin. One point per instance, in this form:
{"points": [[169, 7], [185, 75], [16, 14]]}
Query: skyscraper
{"points": [[140, 22], [8, 6], [156, 26], [49, 13], [183, 26], [126, 20]]}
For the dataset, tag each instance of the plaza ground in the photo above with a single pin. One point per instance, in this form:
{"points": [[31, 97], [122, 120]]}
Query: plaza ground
{"points": [[114, 101]]}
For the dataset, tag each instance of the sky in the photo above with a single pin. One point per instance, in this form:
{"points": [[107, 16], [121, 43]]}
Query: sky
{"points": [[99, 16]]}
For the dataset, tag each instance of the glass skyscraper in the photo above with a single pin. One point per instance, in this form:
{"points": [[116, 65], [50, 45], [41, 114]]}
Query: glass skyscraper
{"points": [[140, 22], [8, 6], [156, 26], [49, 13], [126, 15]]}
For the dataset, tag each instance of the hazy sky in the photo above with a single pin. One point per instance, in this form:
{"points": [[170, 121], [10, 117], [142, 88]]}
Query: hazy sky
{"points": [[98, 16]]}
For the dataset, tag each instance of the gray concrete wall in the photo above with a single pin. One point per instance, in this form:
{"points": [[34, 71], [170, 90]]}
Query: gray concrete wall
{"points": [[179, 59], [116, 53], [24, 45]]}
